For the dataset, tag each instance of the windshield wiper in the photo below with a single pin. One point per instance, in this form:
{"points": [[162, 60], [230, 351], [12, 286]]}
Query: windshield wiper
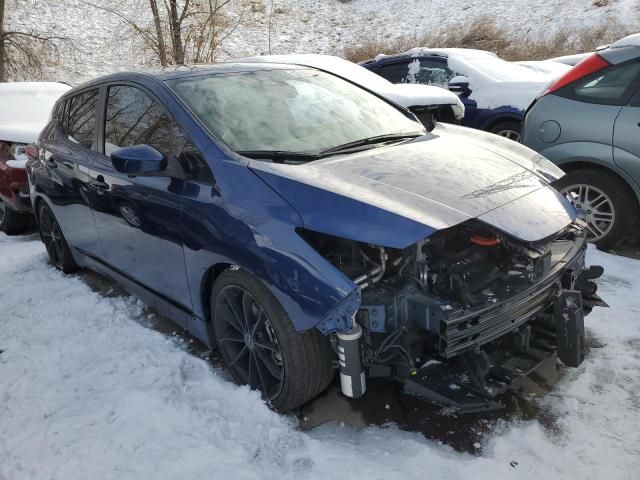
{"points": [[280, 156], [369, 141]]}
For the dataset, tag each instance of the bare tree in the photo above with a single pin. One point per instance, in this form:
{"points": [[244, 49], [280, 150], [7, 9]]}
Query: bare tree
{"points": [[24, 54], [183, 31]]}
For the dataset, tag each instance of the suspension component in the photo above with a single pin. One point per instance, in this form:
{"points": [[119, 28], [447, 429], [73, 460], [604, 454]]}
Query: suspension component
{"points": [[352, 376]]}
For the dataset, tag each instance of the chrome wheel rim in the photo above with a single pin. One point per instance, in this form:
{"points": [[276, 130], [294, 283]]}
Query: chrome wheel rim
{"points": [[247, 341], [52, 238], [594, 207], [510, 134]]}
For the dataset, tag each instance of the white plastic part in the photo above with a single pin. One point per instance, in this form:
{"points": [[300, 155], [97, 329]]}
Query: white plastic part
{"points": [[346, 384]]}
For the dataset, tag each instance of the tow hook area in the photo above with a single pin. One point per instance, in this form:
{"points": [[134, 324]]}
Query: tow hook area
{"points": [[588, 288]]}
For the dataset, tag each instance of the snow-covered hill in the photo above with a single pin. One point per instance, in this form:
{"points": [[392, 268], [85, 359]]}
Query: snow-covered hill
{"points": [[311, 26]]}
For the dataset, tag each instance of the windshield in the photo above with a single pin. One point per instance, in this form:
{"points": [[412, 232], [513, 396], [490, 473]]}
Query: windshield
{"points": [[298, 110]]}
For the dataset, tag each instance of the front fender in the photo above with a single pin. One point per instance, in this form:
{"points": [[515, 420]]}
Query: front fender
{"points": [[253, 228]]}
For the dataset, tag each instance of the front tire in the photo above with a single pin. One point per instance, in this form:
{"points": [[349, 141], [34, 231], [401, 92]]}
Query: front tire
{"points": [[260, 347], [604, 202], [57, 247], [12, 222]]}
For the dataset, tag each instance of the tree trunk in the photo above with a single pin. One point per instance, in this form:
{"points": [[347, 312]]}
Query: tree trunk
{"points": [[162, 48], [176, 32], [2, 52]]}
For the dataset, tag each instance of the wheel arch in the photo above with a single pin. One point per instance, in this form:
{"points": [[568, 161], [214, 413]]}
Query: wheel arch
{"points": [[208, 279], [500, 118]]}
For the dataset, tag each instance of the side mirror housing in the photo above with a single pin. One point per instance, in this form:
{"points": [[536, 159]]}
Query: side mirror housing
{"points": [[138, 160], [459, 85]]}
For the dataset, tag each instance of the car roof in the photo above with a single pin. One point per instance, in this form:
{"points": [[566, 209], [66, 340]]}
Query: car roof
{"points": [[146, 76], [628, 41], [440, 52]]}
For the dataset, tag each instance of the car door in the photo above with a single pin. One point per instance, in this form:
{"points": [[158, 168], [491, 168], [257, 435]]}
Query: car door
{"points": [[626, 139], [68, 152], [138, 218]]}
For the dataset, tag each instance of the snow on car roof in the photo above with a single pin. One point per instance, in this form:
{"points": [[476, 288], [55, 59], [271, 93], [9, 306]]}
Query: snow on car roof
{"points": [[26, 107], [628, 41], [461, 52]]}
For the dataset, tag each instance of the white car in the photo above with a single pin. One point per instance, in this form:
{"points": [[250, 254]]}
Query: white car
{"points": [[422, 100], [495, 92]]}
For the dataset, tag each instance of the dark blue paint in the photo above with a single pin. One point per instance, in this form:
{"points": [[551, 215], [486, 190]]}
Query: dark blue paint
{"points": [[163, 238], [138, 160]]}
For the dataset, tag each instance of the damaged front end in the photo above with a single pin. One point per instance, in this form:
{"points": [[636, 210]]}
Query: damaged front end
{"points": [[458, 316]]}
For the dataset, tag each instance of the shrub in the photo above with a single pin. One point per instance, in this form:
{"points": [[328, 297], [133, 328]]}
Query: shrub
{"points": [[485, 34]]}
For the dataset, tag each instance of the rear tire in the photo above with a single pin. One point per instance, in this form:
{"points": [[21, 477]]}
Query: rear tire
{"points": [[605, 202], [12, 222], [246, 317], [57, 247], [510, 129]]}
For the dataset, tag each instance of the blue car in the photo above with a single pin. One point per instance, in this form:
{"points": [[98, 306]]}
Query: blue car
{"points": [[495, 92], [303, 226]]}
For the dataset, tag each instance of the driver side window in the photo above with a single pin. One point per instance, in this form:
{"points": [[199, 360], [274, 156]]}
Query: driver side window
{"points": [[134, 118]]}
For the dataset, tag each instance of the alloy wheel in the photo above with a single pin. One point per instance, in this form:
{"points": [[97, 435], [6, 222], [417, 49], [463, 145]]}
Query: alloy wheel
{"points": [[510, 134], [247, 341], [52, 238], [594, 207]]}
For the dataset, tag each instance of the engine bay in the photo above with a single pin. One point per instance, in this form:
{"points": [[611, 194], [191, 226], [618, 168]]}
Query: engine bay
{"points": [[409, 294], [463, 296]]}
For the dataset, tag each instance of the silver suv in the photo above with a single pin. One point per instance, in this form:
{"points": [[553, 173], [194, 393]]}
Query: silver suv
{"points": [[588, 123]]}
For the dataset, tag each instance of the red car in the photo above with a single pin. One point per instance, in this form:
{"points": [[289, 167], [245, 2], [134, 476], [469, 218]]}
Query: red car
{"points": [[24, 111]]}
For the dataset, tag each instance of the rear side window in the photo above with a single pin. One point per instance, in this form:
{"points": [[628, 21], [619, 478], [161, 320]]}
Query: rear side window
{"points": [[429, 72], [80, 126], [395, 72], [613, 86], [134, 118]]}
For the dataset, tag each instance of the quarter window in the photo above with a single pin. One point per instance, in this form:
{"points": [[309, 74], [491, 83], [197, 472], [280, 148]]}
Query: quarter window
{"points": [[134, 118], [81, 119], [611, 87], [190, 159]]}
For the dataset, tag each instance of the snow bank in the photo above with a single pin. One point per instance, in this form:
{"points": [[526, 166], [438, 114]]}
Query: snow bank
{"points": [[297, 26], [88, 391]]}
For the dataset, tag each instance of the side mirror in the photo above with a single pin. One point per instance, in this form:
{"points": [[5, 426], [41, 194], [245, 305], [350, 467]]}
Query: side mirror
{"points": [[138, 160], [459, 85]]}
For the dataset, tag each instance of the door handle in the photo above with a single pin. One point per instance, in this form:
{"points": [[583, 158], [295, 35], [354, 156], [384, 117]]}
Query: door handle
{"points": [[99, 184]]}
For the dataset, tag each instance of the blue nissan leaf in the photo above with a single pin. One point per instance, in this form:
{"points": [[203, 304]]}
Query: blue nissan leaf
{"points": [[310, 230]]}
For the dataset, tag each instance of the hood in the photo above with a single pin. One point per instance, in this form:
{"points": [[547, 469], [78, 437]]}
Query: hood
{"points": [[395, 196], [23, 133], [410, 95]]}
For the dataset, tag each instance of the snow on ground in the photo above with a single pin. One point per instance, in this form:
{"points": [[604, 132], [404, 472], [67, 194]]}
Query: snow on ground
{"points": [[87, 391], [298, 26]]}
